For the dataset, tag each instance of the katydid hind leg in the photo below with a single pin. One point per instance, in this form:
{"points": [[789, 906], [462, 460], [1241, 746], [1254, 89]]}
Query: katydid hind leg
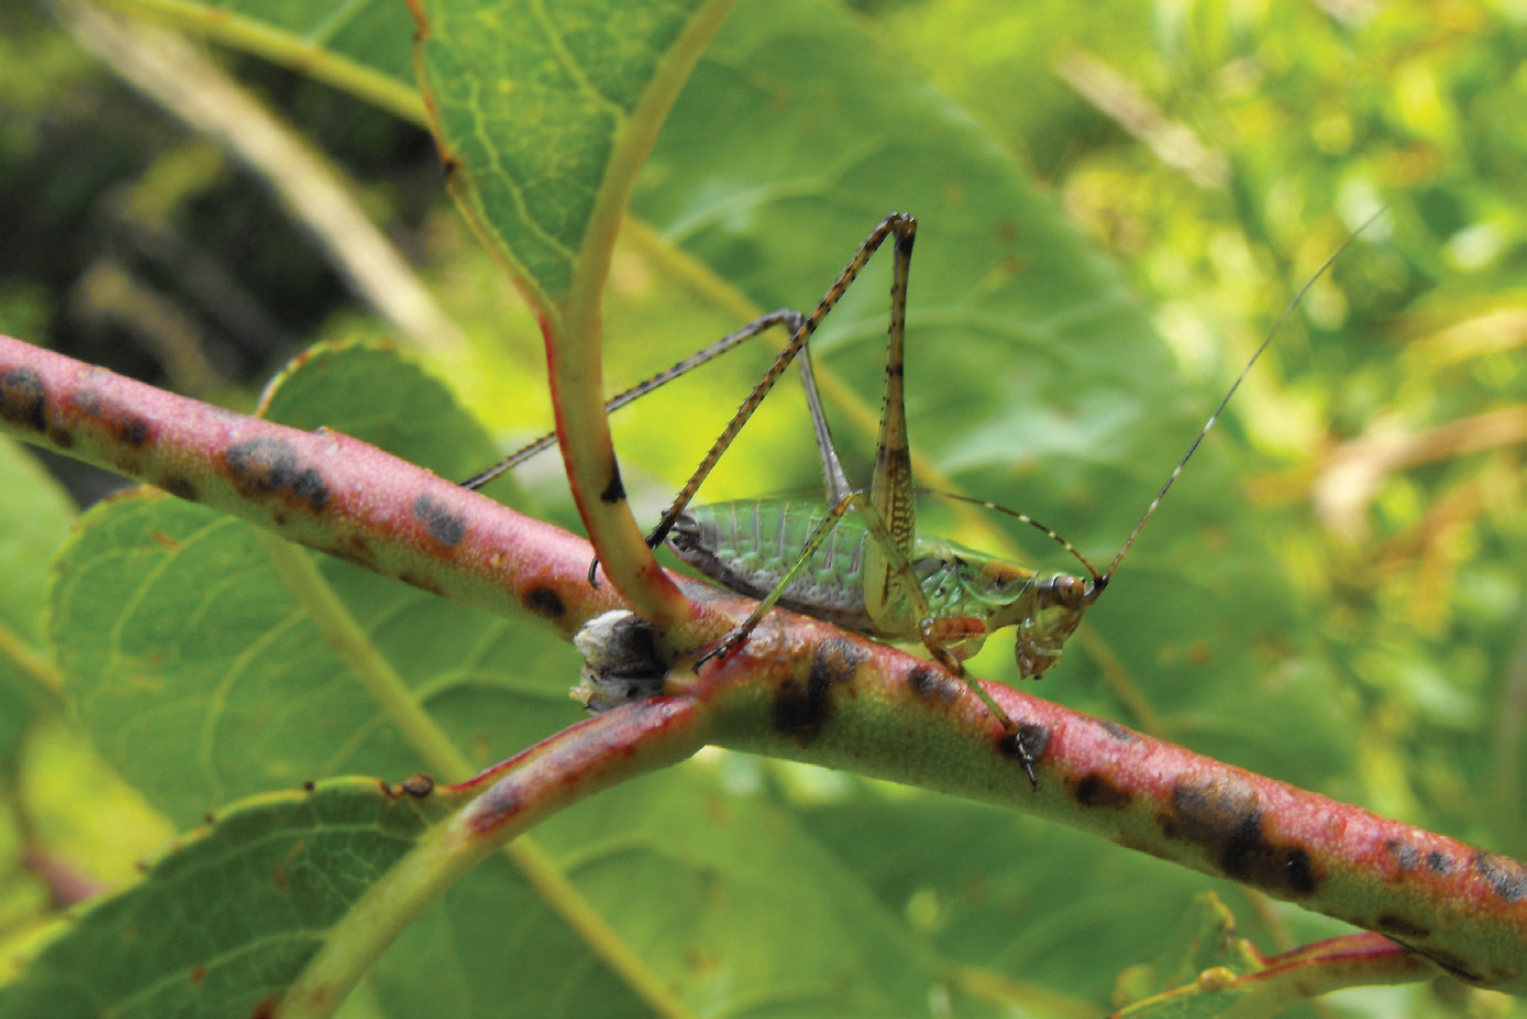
{"points": [[891, 224], [888, 591]]}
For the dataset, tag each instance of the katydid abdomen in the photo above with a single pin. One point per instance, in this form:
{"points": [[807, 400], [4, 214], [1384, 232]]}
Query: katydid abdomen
{"points": [[750, 546]]}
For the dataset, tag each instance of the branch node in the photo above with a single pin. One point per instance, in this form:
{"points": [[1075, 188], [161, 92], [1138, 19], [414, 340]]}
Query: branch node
{"points": [[622, 661]]}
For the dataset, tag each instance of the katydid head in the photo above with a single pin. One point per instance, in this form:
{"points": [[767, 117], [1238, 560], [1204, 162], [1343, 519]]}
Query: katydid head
{"points": [[1045, 617], [1045, 611]]}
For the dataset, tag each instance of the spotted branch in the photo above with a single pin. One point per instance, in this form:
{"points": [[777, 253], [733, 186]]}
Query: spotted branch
{"points": [[321, 489], [843, 702]]}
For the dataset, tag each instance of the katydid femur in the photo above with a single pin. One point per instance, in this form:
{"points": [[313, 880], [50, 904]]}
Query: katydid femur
{"points": [[858, 560]]}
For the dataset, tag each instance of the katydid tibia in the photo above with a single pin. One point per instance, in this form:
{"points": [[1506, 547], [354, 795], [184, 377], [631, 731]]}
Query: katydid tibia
{"points": [[857, 559]]}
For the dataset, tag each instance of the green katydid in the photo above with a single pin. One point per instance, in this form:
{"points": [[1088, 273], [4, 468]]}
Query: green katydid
{"points": [[858, 560]]}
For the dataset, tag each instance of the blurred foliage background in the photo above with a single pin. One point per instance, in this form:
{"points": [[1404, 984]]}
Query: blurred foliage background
{"points": [[1215, 153]]}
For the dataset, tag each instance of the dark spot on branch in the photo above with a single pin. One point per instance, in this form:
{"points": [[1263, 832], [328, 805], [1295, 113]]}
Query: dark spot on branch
{"points": [[1119, 733], [496, 807], [801, 711], [615, 491], [1099, 791], [1405, 854], [179, 487], [932, 685], [198, 974], [23, 399], [1438, 863], [309, 786], [121, 425], [1400, 927], [269, 466], [132, 431], [266, 1009], [545, 602], [1226, 821], [1505, 875], [443, 525], [61, 438]]}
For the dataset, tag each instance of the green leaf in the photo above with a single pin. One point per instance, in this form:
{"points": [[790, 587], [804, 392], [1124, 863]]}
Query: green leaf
{"points": [[374, 393], [1005, 893], [362, 46], [545, 112], [203, 679], [223, 924], [35, 517]]}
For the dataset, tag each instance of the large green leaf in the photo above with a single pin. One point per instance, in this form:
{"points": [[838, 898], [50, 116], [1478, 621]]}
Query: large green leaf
{"points": [[702, 886], [224, 924], [202, 677], [542, 108]]}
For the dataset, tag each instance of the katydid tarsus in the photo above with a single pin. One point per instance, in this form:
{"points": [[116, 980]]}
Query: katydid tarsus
{"points": [[857, 559]]}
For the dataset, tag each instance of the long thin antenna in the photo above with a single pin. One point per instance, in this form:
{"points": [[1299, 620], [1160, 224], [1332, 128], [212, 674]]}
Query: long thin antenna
{"points": [[1025, 518], [1097, 586]]}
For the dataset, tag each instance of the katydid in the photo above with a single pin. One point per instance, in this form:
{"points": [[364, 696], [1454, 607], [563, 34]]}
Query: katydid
{"points": [[858, 560]]}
